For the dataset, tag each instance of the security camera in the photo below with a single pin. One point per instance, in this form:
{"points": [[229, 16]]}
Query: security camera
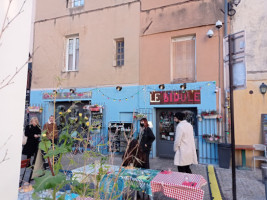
{"points": [[210, 33], [218, 24]]}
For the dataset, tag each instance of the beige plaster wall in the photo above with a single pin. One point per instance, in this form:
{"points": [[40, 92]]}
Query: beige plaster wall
{"points": [[50, 8], [155, 55], [97, 31], [161, 15], [248, 110], [251, 16]]}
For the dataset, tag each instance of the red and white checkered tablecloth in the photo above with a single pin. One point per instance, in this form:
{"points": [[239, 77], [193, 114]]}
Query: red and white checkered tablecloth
{"points": [[171, 185]]}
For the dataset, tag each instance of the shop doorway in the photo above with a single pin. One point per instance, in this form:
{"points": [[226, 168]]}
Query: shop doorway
{"points": [[165, 128]]}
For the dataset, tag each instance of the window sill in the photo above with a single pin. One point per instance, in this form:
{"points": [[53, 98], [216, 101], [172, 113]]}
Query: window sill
{"points": [[118, 65], [76, 7], [65, 71]]}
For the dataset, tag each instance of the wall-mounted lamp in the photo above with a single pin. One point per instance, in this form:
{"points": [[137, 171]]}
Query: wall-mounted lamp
{"points": [[231, 4], [118, 88], [162, 86], [263, 88], [216, 90], [199, 117], [72, 90], [236, 2], [183, 87]]}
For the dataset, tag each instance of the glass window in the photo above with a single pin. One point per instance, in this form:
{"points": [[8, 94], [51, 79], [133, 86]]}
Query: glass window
{"points": [[120, 52], [75, 3], [72, 58], [167, 126]]}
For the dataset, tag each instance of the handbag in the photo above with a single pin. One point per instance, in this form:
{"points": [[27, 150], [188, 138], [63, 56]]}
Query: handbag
{"points": [[24, 139]]}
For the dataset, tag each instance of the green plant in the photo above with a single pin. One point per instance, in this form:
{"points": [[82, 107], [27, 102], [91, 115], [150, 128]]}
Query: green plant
{"points": [[211, 138], [75, 132]]}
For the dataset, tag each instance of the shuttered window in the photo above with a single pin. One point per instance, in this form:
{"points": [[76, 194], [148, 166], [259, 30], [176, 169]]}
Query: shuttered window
{"points": [[183, 59]]}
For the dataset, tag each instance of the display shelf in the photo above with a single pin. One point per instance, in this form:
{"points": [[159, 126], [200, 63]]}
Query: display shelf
{"points": [[117, 132]]}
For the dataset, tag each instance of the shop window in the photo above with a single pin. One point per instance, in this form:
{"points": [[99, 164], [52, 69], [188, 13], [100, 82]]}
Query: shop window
{"points": [[75, 3], [72, 54], [183, 59], [119, 52], [166, 125]]}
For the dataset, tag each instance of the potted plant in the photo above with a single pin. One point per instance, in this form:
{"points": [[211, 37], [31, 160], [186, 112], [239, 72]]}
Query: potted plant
{"points": [[95, 108], [139, 116], [211, 138], [209, 114]]}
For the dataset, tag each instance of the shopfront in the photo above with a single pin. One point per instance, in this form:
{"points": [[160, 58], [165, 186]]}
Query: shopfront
{"points": [[108, 107], [165, 124], [166, 128]]}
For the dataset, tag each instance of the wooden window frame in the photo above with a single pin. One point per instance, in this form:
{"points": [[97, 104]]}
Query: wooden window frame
{"points": [[177, 39], [75, 62]]}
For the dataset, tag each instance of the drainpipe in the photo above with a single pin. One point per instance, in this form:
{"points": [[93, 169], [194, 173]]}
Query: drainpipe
{"points": [[220, 111], [225, 89], [225, 17]]}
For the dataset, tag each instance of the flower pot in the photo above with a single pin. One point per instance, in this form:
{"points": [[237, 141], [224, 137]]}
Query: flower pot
{"points": [[211, 141], [209, 116], [96, 109]]}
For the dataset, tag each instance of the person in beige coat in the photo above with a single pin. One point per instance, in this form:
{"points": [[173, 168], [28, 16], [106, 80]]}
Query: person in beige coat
{"points": [[184, 144]]}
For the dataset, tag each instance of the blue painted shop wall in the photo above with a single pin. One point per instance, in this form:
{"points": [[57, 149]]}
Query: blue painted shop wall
{"points": [[120, 106]]}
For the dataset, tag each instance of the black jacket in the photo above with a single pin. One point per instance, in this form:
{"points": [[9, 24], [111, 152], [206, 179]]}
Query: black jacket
{"points": [[147, 139], [31, 146]]}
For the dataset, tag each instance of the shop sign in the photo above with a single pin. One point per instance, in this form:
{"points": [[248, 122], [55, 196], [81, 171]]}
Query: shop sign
{"points": [[34, 109], [175, 97], [68, 95]]}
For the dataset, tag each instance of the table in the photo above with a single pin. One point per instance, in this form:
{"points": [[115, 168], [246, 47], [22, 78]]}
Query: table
{"points": [[243, 149], [137, 179], [173, 185]]}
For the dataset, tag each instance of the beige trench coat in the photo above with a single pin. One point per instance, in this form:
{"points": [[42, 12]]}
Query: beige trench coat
{"points": [[184, 145]]}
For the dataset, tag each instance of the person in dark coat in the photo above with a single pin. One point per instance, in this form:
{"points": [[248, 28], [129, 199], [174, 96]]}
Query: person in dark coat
{"points": [[145, 138], [33, 132]]}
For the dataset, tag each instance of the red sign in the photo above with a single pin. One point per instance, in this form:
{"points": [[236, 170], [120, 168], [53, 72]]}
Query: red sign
{"points": [[175, 97]]}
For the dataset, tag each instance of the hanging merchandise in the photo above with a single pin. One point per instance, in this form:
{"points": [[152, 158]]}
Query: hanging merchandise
{"points": [[119, 134]]}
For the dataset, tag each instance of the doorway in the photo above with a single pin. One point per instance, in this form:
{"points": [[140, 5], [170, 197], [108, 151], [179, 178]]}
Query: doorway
{"points": [[165, 128]]}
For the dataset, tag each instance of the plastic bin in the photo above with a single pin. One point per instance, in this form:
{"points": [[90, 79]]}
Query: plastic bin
{"points": [[264, 171], [224, 151]]}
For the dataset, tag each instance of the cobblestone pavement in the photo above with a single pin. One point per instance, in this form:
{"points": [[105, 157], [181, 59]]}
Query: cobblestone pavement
{"points": [[249, 185]]}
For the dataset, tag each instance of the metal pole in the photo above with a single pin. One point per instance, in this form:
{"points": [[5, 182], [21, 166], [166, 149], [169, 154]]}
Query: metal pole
{"points": [[225, 17], [225, 89], [231, 49]]}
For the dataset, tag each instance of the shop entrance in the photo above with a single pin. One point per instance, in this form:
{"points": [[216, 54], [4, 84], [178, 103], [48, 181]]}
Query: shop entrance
{"points": [[165, 128]]}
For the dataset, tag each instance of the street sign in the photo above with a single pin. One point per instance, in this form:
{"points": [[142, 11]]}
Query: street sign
{"points": [[238, 60]]}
